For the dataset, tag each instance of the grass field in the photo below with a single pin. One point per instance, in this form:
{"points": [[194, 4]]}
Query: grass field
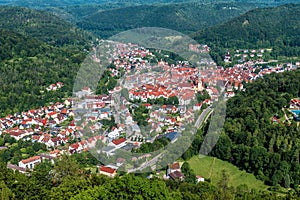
{"points": [[210, 167]]}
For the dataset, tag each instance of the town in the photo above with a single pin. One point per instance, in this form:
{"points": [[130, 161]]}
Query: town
{"points": [[150, 102]]}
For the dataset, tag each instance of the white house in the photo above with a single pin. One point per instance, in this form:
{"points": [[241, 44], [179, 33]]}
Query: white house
{"points": [[30, 163]]}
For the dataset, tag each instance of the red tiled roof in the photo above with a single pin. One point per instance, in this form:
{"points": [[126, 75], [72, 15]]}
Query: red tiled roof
{"points": [[74, 146], [31, 159], [107, 170], [176, 175], [119, 141], [175, 166]]}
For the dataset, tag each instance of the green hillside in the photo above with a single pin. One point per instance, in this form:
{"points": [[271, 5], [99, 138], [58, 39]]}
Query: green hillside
{"points": [[33, 56], [211, 168], [277, 27], [186, 17], [41, 25]]}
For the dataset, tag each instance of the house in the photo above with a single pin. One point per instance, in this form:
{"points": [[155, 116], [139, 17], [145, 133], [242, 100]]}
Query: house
{"points": [[74, 148], [186, 98], [177, 175], [174, 167], [197, 107], [114, 133], [16, 168], [107, 171], [52, 115], [30, 163], [118, 143], [229, 94], [16, 133], [207, 101], [295, 103], [199, 179], [47, 157], [55, 153], [120, 161], [148, 105]]}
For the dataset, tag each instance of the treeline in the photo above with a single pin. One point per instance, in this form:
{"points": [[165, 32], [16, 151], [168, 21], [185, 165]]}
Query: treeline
{"points": [[183, 17], [250, 139], [67, 179]]}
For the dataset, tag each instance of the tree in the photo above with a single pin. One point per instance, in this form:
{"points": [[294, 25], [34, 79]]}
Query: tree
{"points": [[190, 176], [5, 192], [224, 191], [65, 167], [125, 93], [223, 148]]}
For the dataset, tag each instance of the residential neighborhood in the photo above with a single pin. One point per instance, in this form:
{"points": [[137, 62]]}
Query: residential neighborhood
{"points": [[166, 93]]}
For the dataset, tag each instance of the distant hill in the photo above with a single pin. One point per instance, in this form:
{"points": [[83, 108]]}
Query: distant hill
{"points": [[41, 25], [42, 4], [185, 17], [277, 27], [65, 3]]}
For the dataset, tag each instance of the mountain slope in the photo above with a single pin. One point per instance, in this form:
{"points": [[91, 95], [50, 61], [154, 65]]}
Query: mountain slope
{"points": [[185, 17], [277, 27], [42, 4], [41, 25], [30, 60]]}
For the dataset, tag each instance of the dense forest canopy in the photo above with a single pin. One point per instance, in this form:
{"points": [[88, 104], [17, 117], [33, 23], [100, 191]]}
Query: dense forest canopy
{"points": [[186, 18], [257, 29], [37, 49], [42, 26], [253, 142]]}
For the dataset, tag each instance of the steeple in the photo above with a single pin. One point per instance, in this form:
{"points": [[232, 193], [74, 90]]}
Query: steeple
{"points": [[200, 85]]}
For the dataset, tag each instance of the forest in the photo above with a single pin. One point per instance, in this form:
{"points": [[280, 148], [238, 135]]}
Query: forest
{"points": [[68, 179], [256, 29], [34, 56], [251, 141], [185, 18]]}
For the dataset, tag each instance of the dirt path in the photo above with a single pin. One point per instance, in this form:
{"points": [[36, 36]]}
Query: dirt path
{"points": [[211, 168]]}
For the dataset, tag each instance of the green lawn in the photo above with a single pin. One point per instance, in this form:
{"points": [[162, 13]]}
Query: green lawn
{"points": [[210, 167]]}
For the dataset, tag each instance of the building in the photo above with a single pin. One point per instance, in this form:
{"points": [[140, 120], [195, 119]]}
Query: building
{"points": [[108, 171], [121, 142], [30, 163], [16, 168], [177, 175], [200, 179]]}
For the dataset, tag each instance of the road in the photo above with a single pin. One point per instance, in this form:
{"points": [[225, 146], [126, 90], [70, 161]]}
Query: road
{"points": [[203, 116], [116, 97], [146, 164]]}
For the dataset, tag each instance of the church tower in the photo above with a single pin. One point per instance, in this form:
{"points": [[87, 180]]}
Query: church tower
{"points": [[200, 84]]}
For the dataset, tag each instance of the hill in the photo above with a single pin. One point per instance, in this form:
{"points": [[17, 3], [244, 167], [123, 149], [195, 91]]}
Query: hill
{"points": [[258, 29], [65, 3], [41, 25], [42, 4], [184, 17], [255, 143], [211, 168], [35, 59]]}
